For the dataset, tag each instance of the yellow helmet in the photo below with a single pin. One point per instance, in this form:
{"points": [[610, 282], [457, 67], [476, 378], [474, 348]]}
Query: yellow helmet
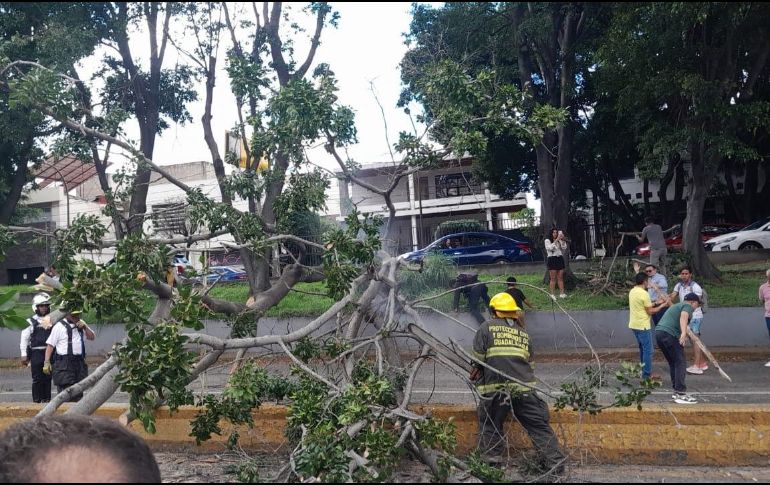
{"points": [[503, 302]]}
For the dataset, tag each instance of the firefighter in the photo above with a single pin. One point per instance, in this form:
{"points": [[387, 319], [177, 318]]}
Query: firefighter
{"points": [[33, 346], [503, 344]]}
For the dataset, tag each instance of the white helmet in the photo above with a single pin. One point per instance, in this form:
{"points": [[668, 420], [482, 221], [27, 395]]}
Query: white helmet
{"points": [[40, 299]]}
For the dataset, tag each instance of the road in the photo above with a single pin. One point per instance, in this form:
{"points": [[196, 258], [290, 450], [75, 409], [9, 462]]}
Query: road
{"points": [[750, 383]]}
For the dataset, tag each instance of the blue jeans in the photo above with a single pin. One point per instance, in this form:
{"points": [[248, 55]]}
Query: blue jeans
{"points": [[695, 325], [644, 338], [767, 322]]}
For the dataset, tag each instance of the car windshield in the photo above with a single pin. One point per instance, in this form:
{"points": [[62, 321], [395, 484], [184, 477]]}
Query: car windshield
{"points": [[756, 225]]}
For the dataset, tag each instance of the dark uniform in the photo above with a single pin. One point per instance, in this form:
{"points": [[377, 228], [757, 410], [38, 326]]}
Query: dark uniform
{"points": [[473, 293], [41, 383], [69, 368], [504, 345]]}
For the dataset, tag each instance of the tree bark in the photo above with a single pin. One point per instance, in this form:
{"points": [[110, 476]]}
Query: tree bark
{"points": [[702, 177], [14, 194]]}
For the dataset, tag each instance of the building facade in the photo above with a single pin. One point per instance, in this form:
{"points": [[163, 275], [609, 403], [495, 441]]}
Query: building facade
{"points": [[425, 199]]}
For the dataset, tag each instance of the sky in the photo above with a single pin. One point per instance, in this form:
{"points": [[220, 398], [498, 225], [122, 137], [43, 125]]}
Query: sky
{"points": [[364, 51]]}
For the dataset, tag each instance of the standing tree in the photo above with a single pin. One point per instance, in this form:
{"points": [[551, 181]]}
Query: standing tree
{"points": [[545, 50], [54, 45], [690, 72]]}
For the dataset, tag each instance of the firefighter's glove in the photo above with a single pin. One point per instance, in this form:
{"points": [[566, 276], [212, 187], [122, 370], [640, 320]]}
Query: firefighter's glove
{"points": [[81, 323], [47, 368], [476, 373]]}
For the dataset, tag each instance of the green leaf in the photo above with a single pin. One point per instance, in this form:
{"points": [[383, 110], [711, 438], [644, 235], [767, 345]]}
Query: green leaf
{"points": [[8, 297], [13, 321]]}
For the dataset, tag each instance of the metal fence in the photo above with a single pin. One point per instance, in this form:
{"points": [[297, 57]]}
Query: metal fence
{"points": [[585, 238]]}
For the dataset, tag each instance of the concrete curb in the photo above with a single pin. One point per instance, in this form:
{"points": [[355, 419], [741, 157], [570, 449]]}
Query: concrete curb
{"points": [[660, 434]]}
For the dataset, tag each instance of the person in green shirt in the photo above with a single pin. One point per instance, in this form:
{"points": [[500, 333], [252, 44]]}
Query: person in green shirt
{"points": [[671, 335], [640, 310]]}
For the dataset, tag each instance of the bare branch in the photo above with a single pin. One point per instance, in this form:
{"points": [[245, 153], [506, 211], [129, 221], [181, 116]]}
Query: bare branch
{"points": [[323, 10], [78, 388], [305, 368]]}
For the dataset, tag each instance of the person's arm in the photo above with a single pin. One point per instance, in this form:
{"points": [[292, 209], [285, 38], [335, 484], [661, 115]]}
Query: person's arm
{"points": [[90, 335], [550, 246], [674, 293], [652, 310], [47, 362], [26, 334], [684, 319], [761, 298], [526, 302], [480, 346], [48, 352]]}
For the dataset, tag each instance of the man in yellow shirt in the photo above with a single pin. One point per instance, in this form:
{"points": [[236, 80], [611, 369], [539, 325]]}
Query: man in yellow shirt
{"points": [[640, 310]]}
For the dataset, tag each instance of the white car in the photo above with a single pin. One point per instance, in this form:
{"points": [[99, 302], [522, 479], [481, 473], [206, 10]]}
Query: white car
{"points": [[753, 236]]}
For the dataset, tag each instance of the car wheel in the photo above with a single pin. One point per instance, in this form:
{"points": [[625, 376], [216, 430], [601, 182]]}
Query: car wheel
{"points": [[501, 261], [750, 245]]}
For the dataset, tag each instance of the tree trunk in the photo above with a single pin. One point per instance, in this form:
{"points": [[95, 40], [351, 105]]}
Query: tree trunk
{"points": [[138, 206], [14, 194], [751, 206], [693, 223]]}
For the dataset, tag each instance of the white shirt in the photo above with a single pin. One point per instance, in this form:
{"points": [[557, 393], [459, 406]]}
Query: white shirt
{"points": [[555, 248], [684, 290], [58, 338], [26, 334]]}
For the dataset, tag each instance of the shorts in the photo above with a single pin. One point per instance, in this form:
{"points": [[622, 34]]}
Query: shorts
{"points": [[695, 325], [555, 263]]}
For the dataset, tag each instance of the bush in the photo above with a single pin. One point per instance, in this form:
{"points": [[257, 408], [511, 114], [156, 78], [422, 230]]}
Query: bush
{"points": [[438, 272]]}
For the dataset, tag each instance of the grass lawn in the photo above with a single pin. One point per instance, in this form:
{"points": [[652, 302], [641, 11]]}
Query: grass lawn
{"points": [[738, 289]]}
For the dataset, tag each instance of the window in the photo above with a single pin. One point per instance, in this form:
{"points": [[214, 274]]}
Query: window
{"points": [[455, 185], [38, 214], [475, 241]]}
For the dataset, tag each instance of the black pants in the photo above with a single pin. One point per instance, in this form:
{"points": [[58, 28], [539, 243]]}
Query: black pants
{"points": [[474, 294], [68, 370], [674, 353], [531, 412], [41, 383]]}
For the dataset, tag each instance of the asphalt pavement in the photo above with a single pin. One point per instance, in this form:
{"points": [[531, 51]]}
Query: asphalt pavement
{"points": [[435, 384]]}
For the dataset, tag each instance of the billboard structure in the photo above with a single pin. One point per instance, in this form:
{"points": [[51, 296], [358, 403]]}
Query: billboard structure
{"points": [[235, 148]]}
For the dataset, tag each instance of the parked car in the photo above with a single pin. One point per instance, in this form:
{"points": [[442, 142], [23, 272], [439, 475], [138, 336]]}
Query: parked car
{"points": [[753, 236], [470, 248], [674, 241], [182, 264], [221, 274]]}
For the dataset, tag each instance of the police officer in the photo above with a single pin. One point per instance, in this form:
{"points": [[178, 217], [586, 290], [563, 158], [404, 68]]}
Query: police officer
{"points": [[503, 344], [33, 346], [67, 340]]}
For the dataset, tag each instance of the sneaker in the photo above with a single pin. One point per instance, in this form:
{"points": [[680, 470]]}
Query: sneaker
{"points": [[704, 367], [768, 364], [563, 295], [684, 399], [694, 370], [656, 377]]}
